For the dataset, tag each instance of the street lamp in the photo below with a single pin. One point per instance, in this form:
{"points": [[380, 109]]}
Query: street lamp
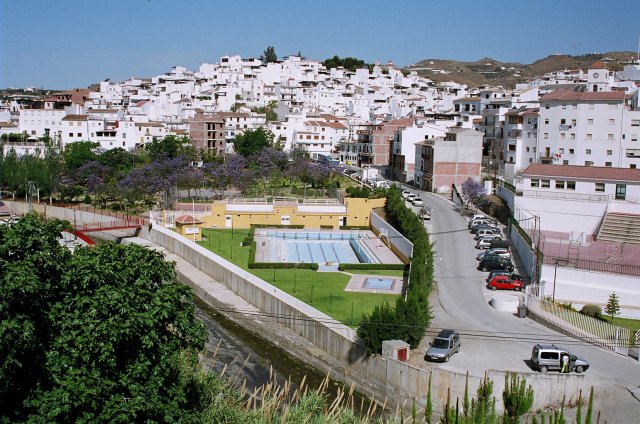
{"points": [[555, 272]]}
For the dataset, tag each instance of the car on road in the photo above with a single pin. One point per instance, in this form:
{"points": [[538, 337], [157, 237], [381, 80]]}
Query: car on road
{"points": [[504, 282], [425, 213], [494, 251], [494, 273], [405, 193], [445, 344], [417, 201], [495, 262], [410, 198], [551, 357]]}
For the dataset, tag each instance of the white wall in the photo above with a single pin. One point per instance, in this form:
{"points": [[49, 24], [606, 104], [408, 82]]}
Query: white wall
{"points": [[563, 215]]}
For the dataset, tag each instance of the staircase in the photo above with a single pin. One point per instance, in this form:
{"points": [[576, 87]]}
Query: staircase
{"points": [[620, 227]]}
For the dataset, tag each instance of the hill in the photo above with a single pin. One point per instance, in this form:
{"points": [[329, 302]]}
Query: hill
{"points": [[488, 71]]}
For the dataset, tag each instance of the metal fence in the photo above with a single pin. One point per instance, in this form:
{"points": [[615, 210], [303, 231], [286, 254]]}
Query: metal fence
{"points": [[582, 326], [595, 266]]}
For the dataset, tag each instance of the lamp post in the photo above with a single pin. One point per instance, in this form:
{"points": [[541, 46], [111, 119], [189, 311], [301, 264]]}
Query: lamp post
{"points": [[555, 272]]}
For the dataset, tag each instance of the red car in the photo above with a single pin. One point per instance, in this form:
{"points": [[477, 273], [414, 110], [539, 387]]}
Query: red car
{"points": [[504, 282]]}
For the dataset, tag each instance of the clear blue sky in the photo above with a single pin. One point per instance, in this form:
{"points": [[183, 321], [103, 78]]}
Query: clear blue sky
{"points": [[72, 43]]}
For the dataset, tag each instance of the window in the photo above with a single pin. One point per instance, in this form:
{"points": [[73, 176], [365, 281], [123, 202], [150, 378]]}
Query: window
{"points": [[124, 135], [612, 121], [546, 135], [589, 121], [70, 134], [545, 183], [546, 121], [561, 151], [571, 151], [573, 122], [588, 163], [563, 121], [560, 185], [589, 136], [609, 136], [571, 185], [632, 166], [588, 151], [600, 187], [561, 136], [535, 183], [635, 122], [565, 162], [564, 106], [609, 152], [572, 136], [528, 149], [546, 106], [607, 164], [79, 134]]}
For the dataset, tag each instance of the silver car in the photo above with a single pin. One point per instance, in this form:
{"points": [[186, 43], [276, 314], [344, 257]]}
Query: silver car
{"points": [[445, 344]]}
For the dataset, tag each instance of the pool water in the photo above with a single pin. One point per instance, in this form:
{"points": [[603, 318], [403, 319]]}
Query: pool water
{"points": [[376, 283]]}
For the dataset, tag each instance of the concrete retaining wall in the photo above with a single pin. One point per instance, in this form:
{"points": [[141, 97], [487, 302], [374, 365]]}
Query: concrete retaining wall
{"points": [[399, 242]]}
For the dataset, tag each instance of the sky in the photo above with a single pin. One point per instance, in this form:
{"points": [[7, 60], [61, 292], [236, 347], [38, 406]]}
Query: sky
{"points": [[61, 44]]}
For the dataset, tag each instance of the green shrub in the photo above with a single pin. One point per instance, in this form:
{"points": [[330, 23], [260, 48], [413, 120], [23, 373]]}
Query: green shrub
{"points": [[326, 227], [593, 311], [282, 265], [354, 227], [566, 305], [343, 267]]}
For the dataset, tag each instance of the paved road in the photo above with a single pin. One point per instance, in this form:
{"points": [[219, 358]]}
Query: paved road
{"points": [[500, 340]]}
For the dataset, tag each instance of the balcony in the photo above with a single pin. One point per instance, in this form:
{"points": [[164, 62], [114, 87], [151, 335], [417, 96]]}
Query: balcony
{"points": [[564, 127]]}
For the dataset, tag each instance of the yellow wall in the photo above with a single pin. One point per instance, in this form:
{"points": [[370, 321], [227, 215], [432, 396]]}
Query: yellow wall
{"points": [[358, 212], [182, 230]]}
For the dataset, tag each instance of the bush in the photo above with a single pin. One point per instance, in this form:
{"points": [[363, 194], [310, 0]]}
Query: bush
{"points": [[593, 311], [343, 267], [326, 227], [282, 265], [354, 227]]}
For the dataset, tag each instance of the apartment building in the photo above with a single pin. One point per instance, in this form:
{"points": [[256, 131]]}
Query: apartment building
{"points": [[207, 132], [452, 159], [403, 151]]}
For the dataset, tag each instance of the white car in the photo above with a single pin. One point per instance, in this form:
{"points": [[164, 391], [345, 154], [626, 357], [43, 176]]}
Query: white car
{"points": [[405, 193], [410, 198], [484, 243], [417, 202]]}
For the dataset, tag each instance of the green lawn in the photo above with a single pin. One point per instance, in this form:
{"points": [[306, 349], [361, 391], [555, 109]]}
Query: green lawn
{"points": [[322, 290], [631, 324]]}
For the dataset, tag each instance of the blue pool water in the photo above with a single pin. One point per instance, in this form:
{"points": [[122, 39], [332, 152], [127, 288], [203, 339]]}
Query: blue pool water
{"points": [[376, 283]]}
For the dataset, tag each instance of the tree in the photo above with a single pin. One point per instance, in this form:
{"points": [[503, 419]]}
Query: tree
{"points": [[517, 398], [473, 191], [252, 141], [171, 147], [103, 335], [78, 153], [612, 308], [269, 55]]}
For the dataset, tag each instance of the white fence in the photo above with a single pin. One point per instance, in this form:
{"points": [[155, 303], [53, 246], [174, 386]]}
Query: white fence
{"points": [[399, 241]]}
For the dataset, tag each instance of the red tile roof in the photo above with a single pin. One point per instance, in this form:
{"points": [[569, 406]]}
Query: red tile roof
{"points": [[569, 95], [187, 219], [72, 117], [583, 172]]}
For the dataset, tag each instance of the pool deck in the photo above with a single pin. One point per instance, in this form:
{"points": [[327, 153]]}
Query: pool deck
{"points": [[357, 281]]}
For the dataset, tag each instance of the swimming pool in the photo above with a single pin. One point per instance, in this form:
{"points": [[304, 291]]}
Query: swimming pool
{"points": [[378, 283]]}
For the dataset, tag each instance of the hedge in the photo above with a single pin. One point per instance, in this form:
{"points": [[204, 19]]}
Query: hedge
{"points": [[293, 227], [354, 227], [282, 265], [343, 267], [326, 227]]}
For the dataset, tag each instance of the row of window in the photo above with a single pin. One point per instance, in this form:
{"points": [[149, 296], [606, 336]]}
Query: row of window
{"points": [[560, 184], [572, 136], [592, 106]]}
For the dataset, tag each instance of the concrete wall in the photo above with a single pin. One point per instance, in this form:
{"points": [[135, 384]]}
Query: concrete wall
{"points": [[400, 243], [581, 287], [524, 250], [583, 216]]}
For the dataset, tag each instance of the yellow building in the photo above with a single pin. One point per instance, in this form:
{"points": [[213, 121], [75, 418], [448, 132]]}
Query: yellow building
{"points": [[189, 227], [311, 213]]}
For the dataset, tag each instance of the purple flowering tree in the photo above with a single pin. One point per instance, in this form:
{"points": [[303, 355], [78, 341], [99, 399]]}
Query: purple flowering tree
{"points": [[473, 192]]}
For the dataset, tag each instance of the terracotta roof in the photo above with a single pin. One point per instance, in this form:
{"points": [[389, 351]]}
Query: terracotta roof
{"points": [[335, 125], [73, 117], [234, 114], [569, 95], [103, 111], [149, 124], [583, 172], [187, 219], [598, 65], [8, 125], [467, 99]]}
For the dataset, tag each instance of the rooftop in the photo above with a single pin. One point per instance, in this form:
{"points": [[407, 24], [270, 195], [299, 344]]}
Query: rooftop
{"points": [[583, 172]]}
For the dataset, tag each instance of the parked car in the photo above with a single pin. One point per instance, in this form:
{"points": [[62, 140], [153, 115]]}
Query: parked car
{"points": [[500, 244], [474, 217], [445, 344], [552, 357], [483, 243], [424, 213], [474, 229], [493, 233], [494, 251], [494, 273], [417, 201], [405, 193], [410, 198], [481, 221], [495, 262], [504, 282]]}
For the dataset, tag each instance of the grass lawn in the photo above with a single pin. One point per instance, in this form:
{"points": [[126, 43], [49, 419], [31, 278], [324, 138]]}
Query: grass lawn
{"points": [[631, 324], [322, 290]]}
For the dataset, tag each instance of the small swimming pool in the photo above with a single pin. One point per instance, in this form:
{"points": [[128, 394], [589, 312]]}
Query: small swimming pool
{"points": [[376, 283]]}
